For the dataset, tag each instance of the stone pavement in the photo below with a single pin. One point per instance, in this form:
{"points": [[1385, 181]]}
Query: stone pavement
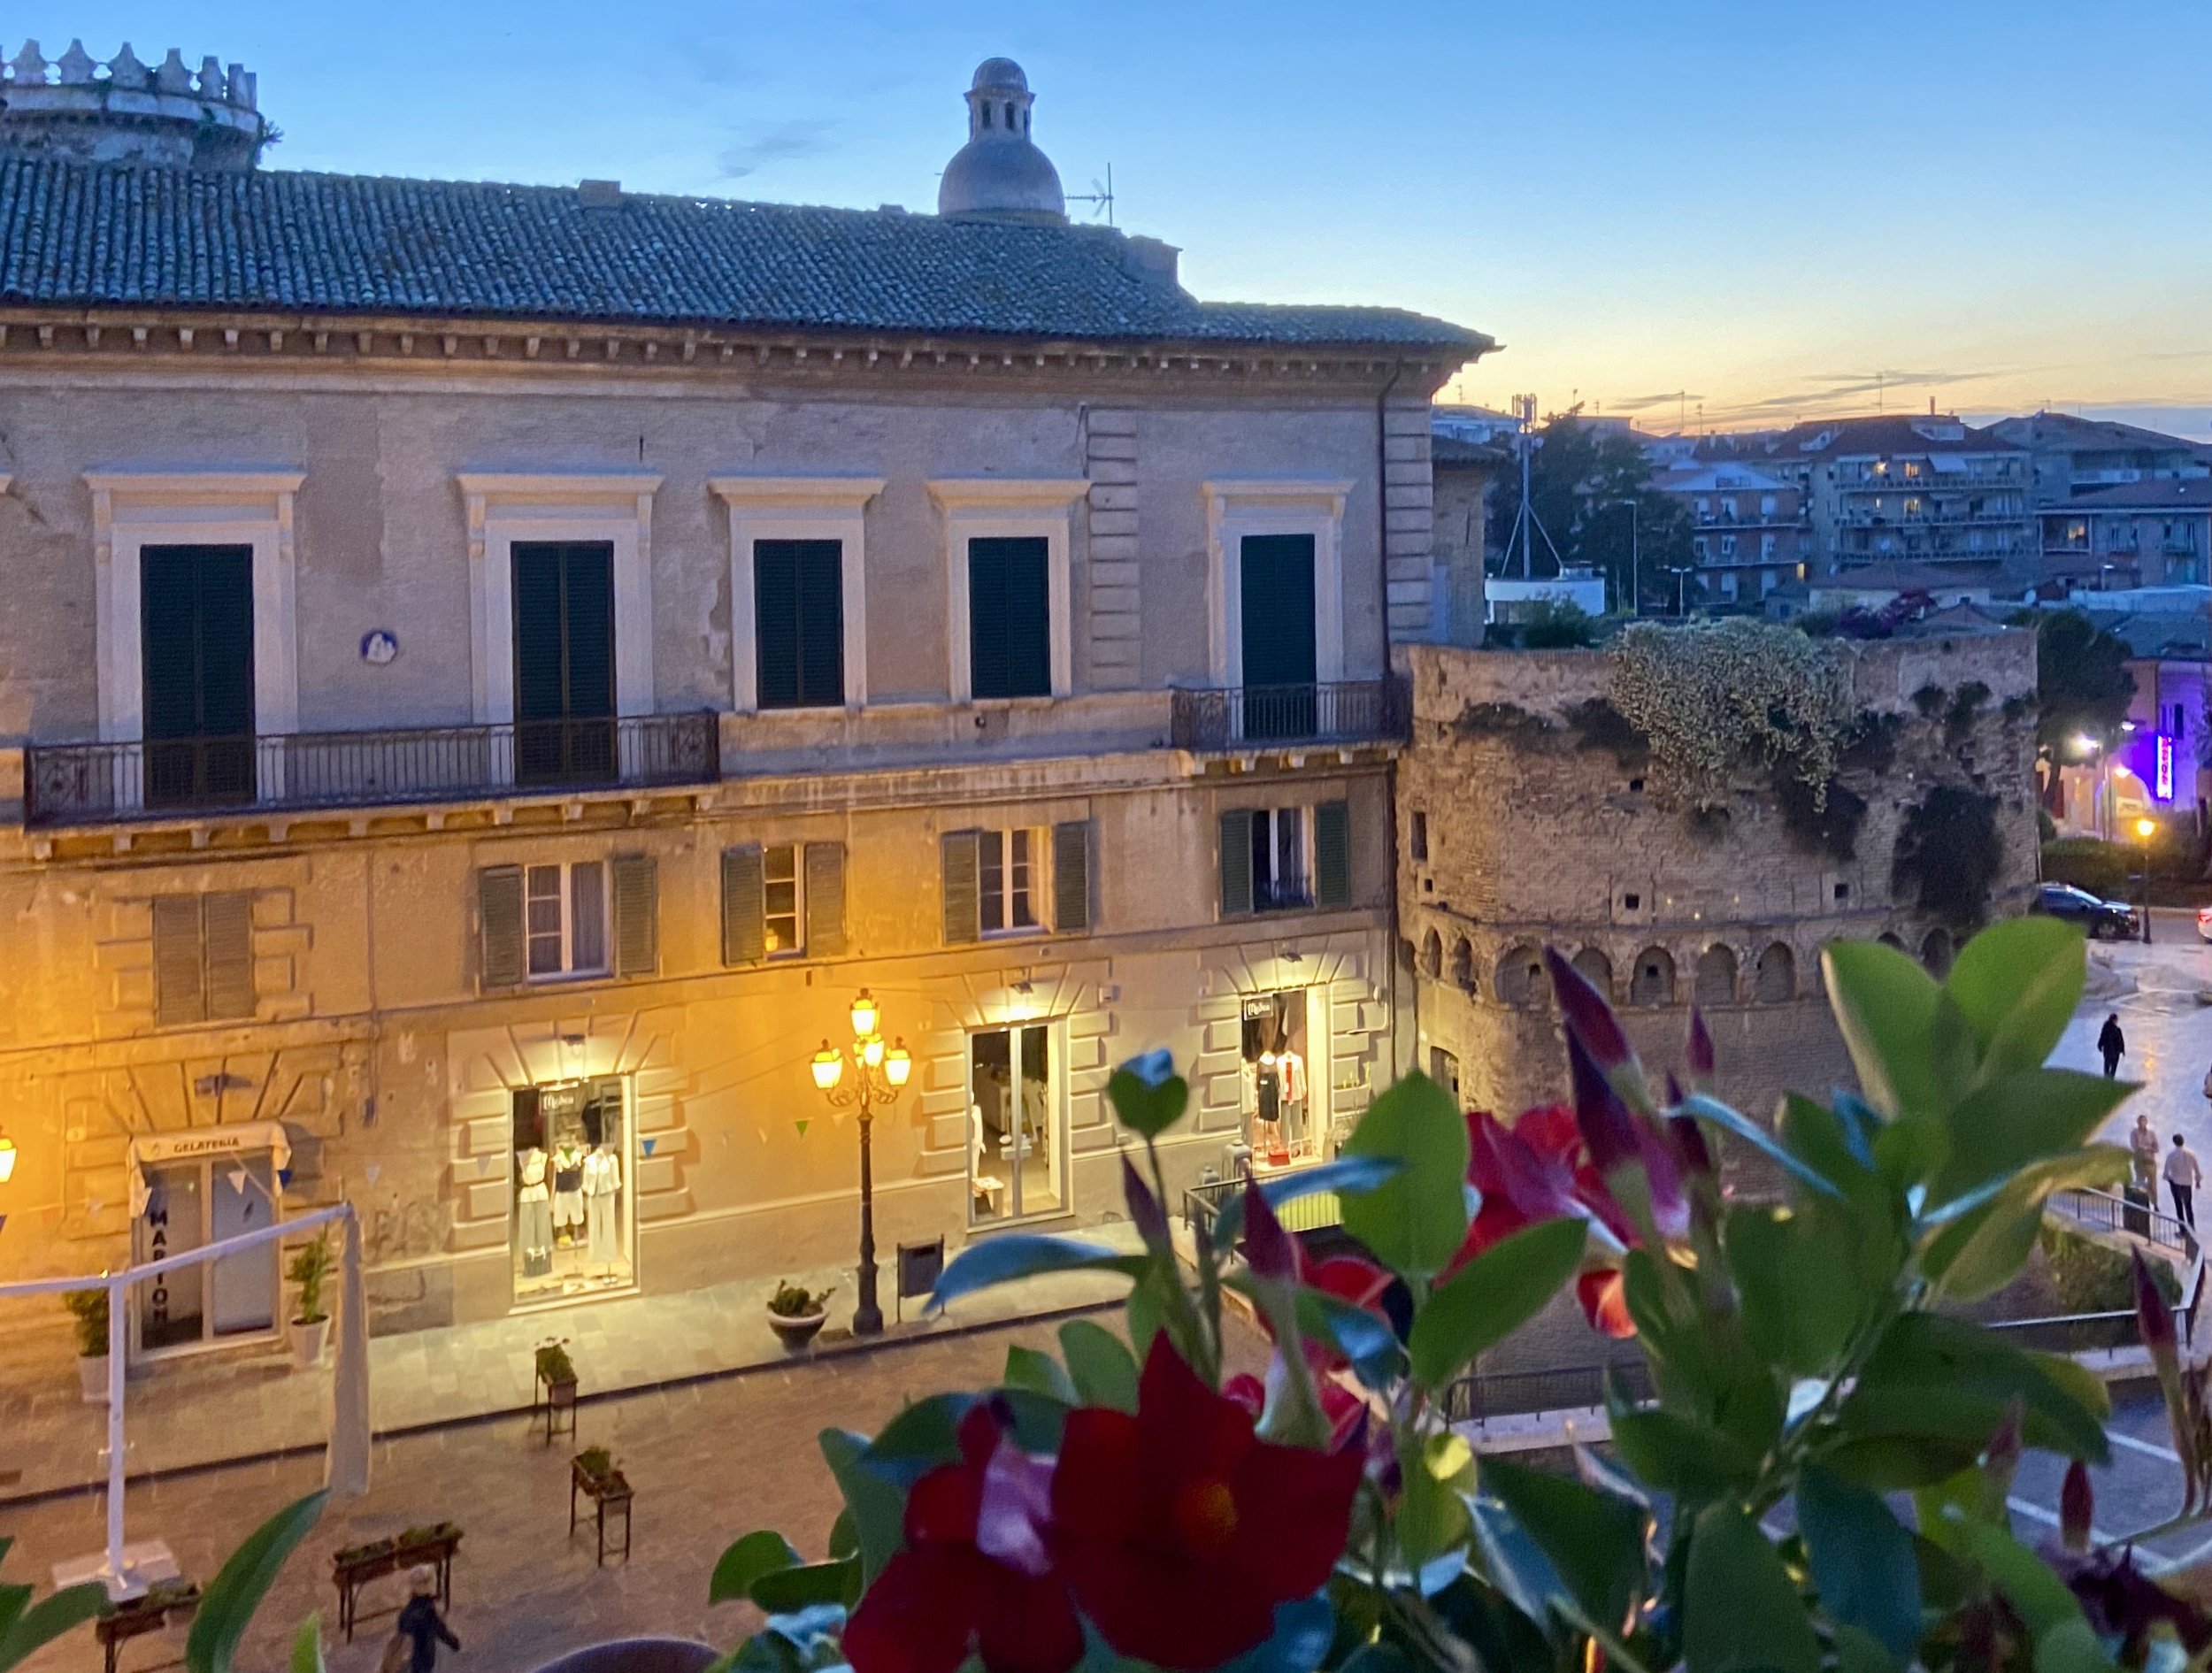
{"points": [[710, 1460], [192, 1413], [2169, 1030]]}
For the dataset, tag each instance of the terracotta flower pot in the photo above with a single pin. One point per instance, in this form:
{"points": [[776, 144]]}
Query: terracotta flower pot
{"points": [[795, 1330]]}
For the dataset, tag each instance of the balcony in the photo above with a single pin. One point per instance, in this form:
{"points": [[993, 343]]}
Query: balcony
{"points": [[102, 783], [1240, 717]]}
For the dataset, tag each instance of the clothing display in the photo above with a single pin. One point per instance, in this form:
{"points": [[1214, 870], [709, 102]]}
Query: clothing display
{"points": [[1275, 1081], [568, 1191], [603, 1187], [533, 1216]]}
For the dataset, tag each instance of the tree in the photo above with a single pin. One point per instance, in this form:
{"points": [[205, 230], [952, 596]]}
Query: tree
{"points": [[1580, 479], [2082, 681]]}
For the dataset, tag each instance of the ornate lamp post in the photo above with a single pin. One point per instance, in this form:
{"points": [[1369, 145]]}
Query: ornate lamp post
{"points": [[879, 1076]]}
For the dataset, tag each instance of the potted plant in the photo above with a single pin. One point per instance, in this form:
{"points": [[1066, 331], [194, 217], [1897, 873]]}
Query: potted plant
{"points": [[796, 1312], [90, 1309], [595, 1464], [557, 1371], [311, 1321]]}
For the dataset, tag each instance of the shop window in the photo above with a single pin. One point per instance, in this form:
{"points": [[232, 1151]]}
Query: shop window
{"points": [[1017, 1140], [1281, 859], [203, 957], [574, 1230], [1520, 977], [799, 623], [189, 1204], [566, 920], [1002, 883], [1716, 975], [1652, 980], [1283, 1116], [1776, 976]]}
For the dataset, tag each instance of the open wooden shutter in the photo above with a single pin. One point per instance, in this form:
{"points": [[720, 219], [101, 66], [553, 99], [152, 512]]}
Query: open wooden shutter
{"points": [[1236, 862], [499, 924], [744, 926], [1072, 876], [637, 930], [824, 900], [178, 995], [228, 928], [964, 907], [1333, 853]]}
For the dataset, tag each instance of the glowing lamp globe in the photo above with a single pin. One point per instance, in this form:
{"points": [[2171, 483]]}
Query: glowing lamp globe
{"points": [[898, 1064], [2144, 828], [7, 1158], [872, 1050], [827, 1065], [864, 1015]]}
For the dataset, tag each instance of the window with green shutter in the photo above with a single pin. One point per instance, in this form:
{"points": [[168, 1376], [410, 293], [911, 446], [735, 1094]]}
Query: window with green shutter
{"points": [[744, 907], [1236, 862], [195, 663], [499, 924], [203, 958], [1009, 625], [798, 614], [564, 680], [957, 852], [637, 940], [1333, 853], [1072, 876], [824, 900]]}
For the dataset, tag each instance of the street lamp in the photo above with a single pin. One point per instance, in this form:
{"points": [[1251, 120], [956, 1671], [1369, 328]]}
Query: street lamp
{"points": [[879, 1074], [7, 1158], [1635, 560], [2147, 828]]}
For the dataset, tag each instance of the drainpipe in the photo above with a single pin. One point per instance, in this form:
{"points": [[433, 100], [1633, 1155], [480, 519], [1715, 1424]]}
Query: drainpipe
{"points": [[1390, 819]]}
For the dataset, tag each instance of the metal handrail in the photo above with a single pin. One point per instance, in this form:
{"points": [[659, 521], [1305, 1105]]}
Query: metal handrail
{"points": [[157, 779], [1482, 1395], [2107, 1213], [1319, 1212], [1329, 711]]}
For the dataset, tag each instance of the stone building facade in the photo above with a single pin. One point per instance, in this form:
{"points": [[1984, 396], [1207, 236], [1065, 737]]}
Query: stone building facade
{"points": [[1515, 832], [598, 673]]}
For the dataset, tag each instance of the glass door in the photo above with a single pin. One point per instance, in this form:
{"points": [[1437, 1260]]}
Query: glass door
{"points": [[1016, 1141], [188, 1206]]}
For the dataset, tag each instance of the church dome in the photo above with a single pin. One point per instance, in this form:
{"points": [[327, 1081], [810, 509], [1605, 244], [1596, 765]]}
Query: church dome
{"points": [[1000, 174]]}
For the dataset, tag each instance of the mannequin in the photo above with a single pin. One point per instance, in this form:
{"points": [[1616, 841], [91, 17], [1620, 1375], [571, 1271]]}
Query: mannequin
{"points": [[603, 1187], [568, 1192], [533, 1212]]}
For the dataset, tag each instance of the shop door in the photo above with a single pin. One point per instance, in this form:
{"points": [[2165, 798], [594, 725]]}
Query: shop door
{"points": [[190, 1205], [564, 729], [196, 650], [1276, 587], [241, 1298], [1016, 1143]]}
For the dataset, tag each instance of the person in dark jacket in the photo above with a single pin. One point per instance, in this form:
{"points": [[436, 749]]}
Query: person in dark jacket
{"points": [[420, 1623], [2111, 1045]]}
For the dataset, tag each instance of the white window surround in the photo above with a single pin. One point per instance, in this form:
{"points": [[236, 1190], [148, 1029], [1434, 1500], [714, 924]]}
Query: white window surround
{"points": [[1236, 508], [1009, 508], [796, 508], [504, 507], [133, 509]]}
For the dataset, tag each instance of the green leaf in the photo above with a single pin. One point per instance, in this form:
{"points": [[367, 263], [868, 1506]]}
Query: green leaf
{"points": [[226, 1607], [1740, 1127], [1806, 1279], [2044, 1602], [1678, 1455], [876, 1504], [1741, 1611], [1146, 1107], [307, 1646], [1491, 1296], [762, 1552], [2019, 983], [1985, 1242], [1415, 1222], [2021, 1118], [1858, 1652], [1594, 1541], [1936, 1375], [1438, 1471], [1863, 1561], [1346, 1176], [1039, 1373], [785, 1590], [23, 1630], [1369, 1342], [1016, 1255], [1103, 1369], [1884, 1004], [844, 1541]]}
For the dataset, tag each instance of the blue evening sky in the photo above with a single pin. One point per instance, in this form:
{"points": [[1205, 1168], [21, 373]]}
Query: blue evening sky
{"points": [[1763, 210]]}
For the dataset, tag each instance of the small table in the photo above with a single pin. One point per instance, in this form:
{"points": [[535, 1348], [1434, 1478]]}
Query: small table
{"points": [[607, 1493], [350, 1573], [557, 1402], [137, 1616]]}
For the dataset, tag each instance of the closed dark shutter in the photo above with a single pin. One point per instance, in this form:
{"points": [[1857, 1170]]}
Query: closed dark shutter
{"points": [[1236, 862], [798, 601], [178, 994], [564, 677], [1009, 617], [744, 931], [824, 900], [195, 637], [1072, 876], [1275, 583], [1333, 855], [228, 982], [963, 912], [499, 924], [637, 940]]}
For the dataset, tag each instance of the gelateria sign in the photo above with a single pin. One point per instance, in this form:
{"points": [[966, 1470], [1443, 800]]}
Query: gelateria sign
{"points": [[197, 1144]]}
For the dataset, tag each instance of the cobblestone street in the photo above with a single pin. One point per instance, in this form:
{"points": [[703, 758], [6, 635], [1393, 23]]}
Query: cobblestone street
{"points": [[2169, 1030]]}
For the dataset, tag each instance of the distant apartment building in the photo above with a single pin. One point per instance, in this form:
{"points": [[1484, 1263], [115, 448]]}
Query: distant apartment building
{"points": [[1469, 448], [2153, 533], [1911, 489], [2073, 456], [1747, 528]]}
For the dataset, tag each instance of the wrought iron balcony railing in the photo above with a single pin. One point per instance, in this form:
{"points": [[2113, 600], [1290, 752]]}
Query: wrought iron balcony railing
{"points": [[1343, 711], [168, 779]]}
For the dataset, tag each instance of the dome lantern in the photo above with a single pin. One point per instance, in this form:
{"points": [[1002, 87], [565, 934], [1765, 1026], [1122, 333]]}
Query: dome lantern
{"points": [[1000, 174]]}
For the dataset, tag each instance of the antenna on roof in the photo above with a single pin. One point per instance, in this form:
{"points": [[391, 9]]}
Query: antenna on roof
{"points": [[1100, 197], [1526, 527]]}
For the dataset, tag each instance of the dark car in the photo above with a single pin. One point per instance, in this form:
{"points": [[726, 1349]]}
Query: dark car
{"points": [[2100, 919]]}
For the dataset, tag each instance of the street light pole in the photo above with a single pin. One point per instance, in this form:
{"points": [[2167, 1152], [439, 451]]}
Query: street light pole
{"points": [[1635, 559], [878, 1075], [2146, 829]]}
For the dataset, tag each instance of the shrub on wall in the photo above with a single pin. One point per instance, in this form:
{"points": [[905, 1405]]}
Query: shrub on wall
{"points": [[1948, 853], [2091, 1279]]}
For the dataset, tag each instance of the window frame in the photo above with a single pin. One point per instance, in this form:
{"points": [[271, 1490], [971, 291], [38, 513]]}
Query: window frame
{"points": [[1037, 889], [1237, 508], [768, 915], [566, 896], [1010, 508], [1265, 898], [796, 508]]}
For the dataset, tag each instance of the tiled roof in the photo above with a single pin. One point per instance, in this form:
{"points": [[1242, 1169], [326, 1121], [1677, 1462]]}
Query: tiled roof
{"points": [[2166, 494], [88, 236], [1887, 434]]}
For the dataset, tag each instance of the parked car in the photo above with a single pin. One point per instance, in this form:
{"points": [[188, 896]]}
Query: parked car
{"points": [[2100, 919], [2204, 922]]}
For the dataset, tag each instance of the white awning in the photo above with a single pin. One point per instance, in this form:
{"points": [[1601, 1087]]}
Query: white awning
{"points": [[194, 1143]]}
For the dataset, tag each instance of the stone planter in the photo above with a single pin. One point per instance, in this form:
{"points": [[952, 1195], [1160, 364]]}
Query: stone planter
{"points": [[309, 1338], [92, 1378], [795, 1330]]}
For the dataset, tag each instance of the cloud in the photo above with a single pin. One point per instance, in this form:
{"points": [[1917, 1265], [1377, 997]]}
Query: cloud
{"points": [[762, 144], [1642, 402]]}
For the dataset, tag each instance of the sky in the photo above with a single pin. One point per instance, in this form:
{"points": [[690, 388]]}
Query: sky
{"points": [[1709, 214]]}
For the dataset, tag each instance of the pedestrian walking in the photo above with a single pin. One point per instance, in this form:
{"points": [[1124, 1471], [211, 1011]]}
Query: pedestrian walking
{"points": [[413, 1645], [2183, 1174], [2142, 1142], [2111, 1045]]}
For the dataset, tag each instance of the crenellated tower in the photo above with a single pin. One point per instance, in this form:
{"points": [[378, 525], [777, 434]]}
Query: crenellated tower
{"points": [[122, 111]]}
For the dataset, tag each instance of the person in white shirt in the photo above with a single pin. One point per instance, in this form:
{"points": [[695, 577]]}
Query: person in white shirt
{"points": [[2184, 1173]]}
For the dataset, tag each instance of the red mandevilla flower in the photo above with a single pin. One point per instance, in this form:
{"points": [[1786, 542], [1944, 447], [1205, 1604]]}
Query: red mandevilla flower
{"points": [[1535, 1170], [976, 1576], [1180, 1531]]}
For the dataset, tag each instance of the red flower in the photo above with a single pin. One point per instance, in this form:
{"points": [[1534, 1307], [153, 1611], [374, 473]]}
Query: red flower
{"points": [[976, 1576], [1535, 1170], [1180, 1531]]}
